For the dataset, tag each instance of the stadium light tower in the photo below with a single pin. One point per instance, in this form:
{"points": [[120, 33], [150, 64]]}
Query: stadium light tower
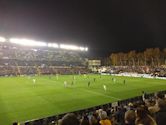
{"points": [[2, 39]]}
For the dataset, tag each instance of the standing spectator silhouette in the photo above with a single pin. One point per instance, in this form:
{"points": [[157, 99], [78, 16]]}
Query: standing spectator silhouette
{"points": [[69, 119], [143, 118], [161, 114]]}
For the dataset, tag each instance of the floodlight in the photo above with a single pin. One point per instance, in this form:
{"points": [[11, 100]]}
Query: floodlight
{"points": [[26, 42], [73, 47], [69, 47], [54, 45], [35, 50], [86, 49], [82, 48], [2, 39]]}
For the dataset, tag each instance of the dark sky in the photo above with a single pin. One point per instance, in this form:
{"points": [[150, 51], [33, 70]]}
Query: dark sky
{"points": [[103, 25]]}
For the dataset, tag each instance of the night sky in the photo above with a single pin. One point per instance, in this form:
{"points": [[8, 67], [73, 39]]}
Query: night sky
{"points": [[103, 25]]}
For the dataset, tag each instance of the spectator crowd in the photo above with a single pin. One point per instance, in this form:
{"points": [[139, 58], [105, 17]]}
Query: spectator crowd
{"points": [[16, 60], [152, 70]]}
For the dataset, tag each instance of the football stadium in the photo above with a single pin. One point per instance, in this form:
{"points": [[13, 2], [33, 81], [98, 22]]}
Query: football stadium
{"points": [[79, 62], [42, 82]]}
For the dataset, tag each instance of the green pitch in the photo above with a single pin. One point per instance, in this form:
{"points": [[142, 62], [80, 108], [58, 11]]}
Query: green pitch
{"points": [[21, 99]]}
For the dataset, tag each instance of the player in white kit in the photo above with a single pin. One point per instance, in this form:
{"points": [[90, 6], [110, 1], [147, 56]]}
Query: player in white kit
{"points": [[105, 88], [65, 84]]}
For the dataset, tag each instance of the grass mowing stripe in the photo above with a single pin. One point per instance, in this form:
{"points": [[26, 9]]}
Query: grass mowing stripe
{"points": [[97, 93]]}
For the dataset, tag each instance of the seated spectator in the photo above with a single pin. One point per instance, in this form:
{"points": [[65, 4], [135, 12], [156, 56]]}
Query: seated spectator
{"points": [[161, 114], [159, 96], [94, 120], [120, 114], [103, 118], [143, 118], [85, 120], [130, 117], [155, 108], [69, 119], [114, 120], [152, 107]]}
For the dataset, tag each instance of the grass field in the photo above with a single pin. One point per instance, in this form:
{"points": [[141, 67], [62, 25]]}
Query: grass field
{"points": [[21, 100]]}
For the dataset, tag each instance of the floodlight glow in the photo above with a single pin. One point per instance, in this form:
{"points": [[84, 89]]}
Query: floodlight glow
{"points": [[26, 42], [54, 45], [82, 48], [2, 39], [86, 49], [69, 47], [35, 50], [73, 47]]}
